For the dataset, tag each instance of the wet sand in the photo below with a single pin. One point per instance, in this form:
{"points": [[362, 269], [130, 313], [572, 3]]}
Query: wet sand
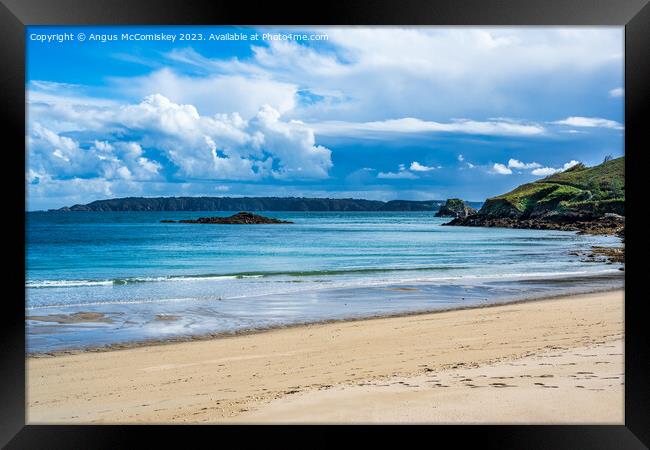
{"points": [[78, 317], [548, 361]]}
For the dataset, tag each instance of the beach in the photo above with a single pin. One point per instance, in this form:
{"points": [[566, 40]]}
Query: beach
{"points": [[558, 360]]}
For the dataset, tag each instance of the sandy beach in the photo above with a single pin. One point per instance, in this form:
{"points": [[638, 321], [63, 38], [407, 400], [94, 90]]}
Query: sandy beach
{"points": [[548, 361]]}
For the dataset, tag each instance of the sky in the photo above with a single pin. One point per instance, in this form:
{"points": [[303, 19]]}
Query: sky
{"points": [[383, 113]]}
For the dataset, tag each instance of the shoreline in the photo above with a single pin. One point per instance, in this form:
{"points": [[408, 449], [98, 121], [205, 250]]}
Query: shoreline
{"points": [[602, 226], [556, 360], [255, 331]]}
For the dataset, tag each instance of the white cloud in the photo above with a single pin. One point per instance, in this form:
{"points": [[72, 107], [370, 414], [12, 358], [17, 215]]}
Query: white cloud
{"points": [[516, 164], [570, 164], [501, 169], [427, 72], [534, 167], [402, 173], [199, 147], [417, 167], [590, 122], [212, 94], [617, 92], [546, 171], [411, 125], [292, 144], [461, 158], [63, 156]]}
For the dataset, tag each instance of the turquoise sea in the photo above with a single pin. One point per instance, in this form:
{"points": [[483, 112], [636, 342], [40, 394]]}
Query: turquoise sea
{"points": [[152, 280]]}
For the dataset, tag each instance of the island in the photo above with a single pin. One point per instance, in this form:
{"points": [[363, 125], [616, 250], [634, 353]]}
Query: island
{"points": [[241, 218]]}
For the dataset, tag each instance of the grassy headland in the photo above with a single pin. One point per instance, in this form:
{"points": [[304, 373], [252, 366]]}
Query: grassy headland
{"points": [[586, 199]]}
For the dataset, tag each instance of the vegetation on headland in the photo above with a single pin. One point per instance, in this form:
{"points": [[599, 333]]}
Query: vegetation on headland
{"points": [[586, 199], [578, 192]]}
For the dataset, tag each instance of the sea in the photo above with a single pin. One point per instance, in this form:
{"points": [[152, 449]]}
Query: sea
{"points": [[97, 279]]}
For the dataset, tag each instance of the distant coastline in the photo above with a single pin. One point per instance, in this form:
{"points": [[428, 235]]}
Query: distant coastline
{"points": [[256, 204]]}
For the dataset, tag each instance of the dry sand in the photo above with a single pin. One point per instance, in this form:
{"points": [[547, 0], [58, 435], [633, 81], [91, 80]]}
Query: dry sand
{"points": [[548, 361]]}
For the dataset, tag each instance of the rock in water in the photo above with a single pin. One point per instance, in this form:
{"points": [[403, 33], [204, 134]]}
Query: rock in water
{"points": [[455, 207], [240, 218]]}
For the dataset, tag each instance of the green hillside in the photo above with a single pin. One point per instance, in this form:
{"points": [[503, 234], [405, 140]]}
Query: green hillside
{"points": [[577, 192]]}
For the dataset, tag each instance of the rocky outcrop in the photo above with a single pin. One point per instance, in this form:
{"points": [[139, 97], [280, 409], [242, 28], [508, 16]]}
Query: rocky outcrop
{"points": [[603, 225], [455, 207], [241, 218], [600, 254], [589, 200]]}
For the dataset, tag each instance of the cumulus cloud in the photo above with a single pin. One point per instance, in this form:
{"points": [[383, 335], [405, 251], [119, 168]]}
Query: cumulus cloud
{"points": [[516, 164], [590, 122], [213, 93], [617, 92], [402, 173], [163, 133], [546, 171], [63, 156], [293, 145], [501, 169], [535, 168], [417, 167]]}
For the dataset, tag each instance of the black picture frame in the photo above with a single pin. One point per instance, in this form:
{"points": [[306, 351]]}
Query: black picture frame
{"points": [[16, 14]]}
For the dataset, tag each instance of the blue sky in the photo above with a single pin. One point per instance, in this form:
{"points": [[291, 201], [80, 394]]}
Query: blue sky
{"points": [[367, 112]]}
